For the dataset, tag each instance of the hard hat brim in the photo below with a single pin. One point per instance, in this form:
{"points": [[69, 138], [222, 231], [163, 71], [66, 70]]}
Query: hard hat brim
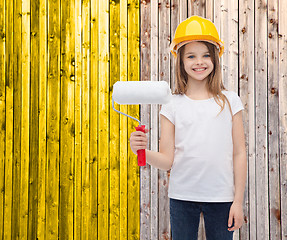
{"points": [[179, 42]]}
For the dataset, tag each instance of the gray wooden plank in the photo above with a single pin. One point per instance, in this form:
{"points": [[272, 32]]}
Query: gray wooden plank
{"points": [[145, 119], [273, 120], [261, 120], [164, 75], [282, 28]]}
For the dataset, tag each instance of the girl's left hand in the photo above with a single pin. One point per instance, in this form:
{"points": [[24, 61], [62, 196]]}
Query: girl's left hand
{"points": [[235, 217]]}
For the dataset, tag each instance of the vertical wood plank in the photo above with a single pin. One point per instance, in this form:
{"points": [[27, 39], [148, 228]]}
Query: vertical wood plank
{"points": [[7, 232], [282, 25], [114, 188], [2, 113], [85, 118], [145, 118], [67, 124], [226, 37], [103, 148], [78, 227], [209, 8], [232, 52], [174, 21], [217, 22], [17, 111], [261, 119], [53, 120], [41, 185], [183, 10], [154, 120], [123, 123], [201, 228], [273, 121], [25, 102], [196, 7], [246, 86], [217, 17], [133, 110], [93, 122], [164, 75], [34, 121]]}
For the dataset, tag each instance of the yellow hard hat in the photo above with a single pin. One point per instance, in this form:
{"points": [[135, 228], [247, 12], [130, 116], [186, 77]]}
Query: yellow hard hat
{"points": [[196, 28]]}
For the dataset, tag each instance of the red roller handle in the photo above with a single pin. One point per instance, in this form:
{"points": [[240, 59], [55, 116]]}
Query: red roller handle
{"points": [[141, 152]]}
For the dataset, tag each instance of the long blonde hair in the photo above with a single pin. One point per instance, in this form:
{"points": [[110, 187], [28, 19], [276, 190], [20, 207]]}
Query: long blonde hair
{"points": [[214, 82]]}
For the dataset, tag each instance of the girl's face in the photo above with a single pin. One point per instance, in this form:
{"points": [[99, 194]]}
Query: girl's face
{"points": [[197, 61]]}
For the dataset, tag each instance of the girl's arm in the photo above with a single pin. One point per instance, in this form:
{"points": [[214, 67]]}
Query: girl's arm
{"points": [[239, 157], [164, 158], [240, 172]]}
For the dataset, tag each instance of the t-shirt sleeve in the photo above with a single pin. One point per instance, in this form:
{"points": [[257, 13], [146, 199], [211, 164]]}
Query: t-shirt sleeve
{"points": [[236, 104], [168, 111]]}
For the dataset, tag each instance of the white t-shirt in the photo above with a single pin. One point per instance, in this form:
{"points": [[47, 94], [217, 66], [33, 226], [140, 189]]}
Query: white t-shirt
{"points": [[203, 160]]}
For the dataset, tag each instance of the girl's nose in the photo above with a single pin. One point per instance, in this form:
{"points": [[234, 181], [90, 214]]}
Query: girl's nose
{"points": [[199, 60]]}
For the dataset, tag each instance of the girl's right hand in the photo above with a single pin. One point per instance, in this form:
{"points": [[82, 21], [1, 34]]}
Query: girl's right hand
{"points": [[138, 140]]}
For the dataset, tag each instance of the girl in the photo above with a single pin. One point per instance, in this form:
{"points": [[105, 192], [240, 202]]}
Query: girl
{"points": [[202, 139]]}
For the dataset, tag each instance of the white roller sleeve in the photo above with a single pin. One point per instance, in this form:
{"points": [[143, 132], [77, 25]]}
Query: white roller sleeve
{"points": [[141, 92]]}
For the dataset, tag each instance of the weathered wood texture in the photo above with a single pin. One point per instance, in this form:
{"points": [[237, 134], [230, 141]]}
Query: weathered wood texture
{"points": [[145, 187], [66, 171], [254, 66], [154, 216], [281, 213]]}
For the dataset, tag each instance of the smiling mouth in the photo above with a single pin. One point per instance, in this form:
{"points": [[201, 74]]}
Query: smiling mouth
{"points": [[199, 69]]}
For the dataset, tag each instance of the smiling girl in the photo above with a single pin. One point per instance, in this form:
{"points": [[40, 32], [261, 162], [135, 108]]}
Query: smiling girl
{"points": [[202, 138]]}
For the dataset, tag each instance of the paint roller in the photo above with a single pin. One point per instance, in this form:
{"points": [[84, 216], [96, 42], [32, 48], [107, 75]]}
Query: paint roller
{"points": [[140, 92]]}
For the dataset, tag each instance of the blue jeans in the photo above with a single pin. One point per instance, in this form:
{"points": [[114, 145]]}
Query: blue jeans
{"points": [[185, 216]]}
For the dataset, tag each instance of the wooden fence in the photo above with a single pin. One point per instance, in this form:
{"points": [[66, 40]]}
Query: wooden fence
{"points": [[66, 171]]}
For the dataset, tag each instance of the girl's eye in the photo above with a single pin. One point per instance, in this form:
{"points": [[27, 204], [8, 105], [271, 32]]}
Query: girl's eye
{"points": [[206, 55], [191, 56]]}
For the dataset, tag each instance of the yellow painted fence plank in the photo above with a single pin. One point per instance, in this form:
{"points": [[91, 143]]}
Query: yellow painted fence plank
{"points": [[78, 164], [123, 124], [42, 105], [2, 112], [133, 75], [94, 156], [34, 180], [114, 188], [7, 232], [103, 128], [67, 125], [17, 72], [53, 120], [25, 119], [85, 118]]}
